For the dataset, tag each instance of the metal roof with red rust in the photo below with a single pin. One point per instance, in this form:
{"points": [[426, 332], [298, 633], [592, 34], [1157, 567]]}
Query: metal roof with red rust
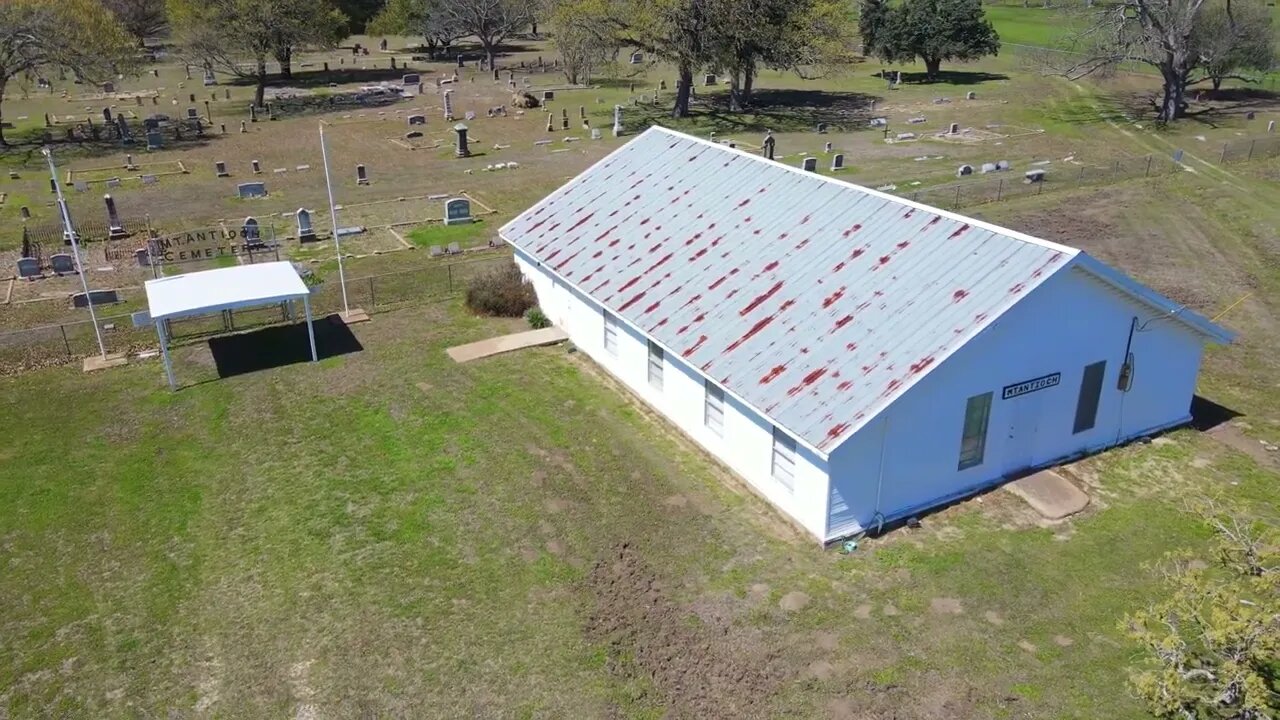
{"points": [[814, 301]]}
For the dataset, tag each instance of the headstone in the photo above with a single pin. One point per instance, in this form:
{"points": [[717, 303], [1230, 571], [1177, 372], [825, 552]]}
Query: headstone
{"points": [[596, 134], [1033, 176], [906, 136], [1002, 165], [1271, 126], [306, 233], [362, 175], [243, 127], [142, 256], [149, 179], [810, 164], [964, 171], [837, 162], [971, 95], [617, 120], [155, 141], [412, 135], [106, 115], [827, 147], [29, 268], [108, 87], [411, 80], [1177, 155], [448, 106], [80, 186], [767, 147], [251, 190], [822, 128], [417, 120], [115, 227], [209, 78], [879, 122], [253, 113], [461, 63], [97, 297], [988, 168], [457, 211], [953, 129], [462, 150], [251, 231], [62, 264], [25, 212], [257, 167], [708, 79], [1250, 115], [548, 95], [637, 58], [193, 114], [382, 44]]}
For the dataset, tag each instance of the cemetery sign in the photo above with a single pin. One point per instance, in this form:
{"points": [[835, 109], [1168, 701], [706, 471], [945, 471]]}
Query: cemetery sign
{"points": [[206, 244]]}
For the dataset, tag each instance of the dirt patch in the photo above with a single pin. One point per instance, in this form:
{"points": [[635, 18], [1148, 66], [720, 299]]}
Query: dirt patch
{"points": [[701, 671], [556, 505], [794, 600], [1027, 645], [827, 640], [945, 606], [1063, 641], [993, 617], [820, 670], [555, 547], [863, 611], [1234, 438]]}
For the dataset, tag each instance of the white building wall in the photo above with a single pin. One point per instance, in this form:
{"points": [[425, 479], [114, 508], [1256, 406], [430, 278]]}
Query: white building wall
{"points": [[907, 458], [747, 444]]}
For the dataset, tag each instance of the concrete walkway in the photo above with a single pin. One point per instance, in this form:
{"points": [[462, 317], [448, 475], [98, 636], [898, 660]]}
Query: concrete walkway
{"points": [[1050, 494], [507, 343]]}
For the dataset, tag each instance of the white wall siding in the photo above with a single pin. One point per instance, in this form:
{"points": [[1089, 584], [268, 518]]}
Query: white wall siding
{"points": [[746, 443], [1069, 322]]}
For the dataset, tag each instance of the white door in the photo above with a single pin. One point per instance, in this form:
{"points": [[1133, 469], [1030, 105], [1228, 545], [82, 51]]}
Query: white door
{"points": [[1020, 441]]}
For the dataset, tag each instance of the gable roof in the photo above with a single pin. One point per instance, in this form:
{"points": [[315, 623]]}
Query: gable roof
{"points": [[812, 300]]}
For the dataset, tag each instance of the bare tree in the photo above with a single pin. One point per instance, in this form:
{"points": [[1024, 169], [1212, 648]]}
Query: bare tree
{"points": [[421, 18], [491, 21], [142, 18], [1232, 39], [1167, 35]]}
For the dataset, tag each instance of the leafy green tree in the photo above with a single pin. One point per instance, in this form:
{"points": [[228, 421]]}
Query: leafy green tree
{"points": [[873, 15], [419, 18], [1211, 646], [237, 36], [583, 42], [931, 31], [360, 13], [80, 36]]}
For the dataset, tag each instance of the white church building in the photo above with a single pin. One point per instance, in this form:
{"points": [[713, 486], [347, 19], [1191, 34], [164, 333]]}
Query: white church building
{"points": [[856, 358]]}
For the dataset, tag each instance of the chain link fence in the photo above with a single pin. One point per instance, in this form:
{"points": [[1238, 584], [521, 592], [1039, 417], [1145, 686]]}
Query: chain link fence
{"points": [[23, 350], [1015, 185]]}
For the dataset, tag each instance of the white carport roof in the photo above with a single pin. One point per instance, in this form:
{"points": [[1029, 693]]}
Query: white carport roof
{"points": [[210, 291]]}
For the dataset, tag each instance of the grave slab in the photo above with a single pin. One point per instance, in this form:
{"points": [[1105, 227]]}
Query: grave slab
{"points": [[98, 362], [1050, 494]]}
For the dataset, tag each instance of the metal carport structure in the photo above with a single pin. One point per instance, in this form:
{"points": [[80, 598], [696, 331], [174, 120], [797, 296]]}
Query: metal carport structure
{"points": [[211, 291]]}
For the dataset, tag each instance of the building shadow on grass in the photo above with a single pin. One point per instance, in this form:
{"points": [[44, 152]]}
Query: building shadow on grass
{"points": [[280, 345], [1207, 414]]}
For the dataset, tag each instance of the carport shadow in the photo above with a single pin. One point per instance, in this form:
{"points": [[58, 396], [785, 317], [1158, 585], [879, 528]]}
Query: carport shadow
{"points": [[281, 345]]}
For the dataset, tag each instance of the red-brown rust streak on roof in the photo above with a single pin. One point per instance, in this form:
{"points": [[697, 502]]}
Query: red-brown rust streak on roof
{"points": [[844, 385], [652, 307], [833, 297], [959, 295], [842, 322], [773, 374], [700, 318], [632, 301], [760, 299], [838, 430], [959, 231], [856, 227], [764, 323], [919, 367], [658, 264], [694, 348], [808, 380]]}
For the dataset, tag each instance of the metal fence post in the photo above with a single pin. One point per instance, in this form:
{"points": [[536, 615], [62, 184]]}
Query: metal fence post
{"points": [[450, 269], [957, 205], [65, 344], [1000, 190], [1081, 177], [1223, 159], [373, 301], [1251, 144], [1148, 172]]}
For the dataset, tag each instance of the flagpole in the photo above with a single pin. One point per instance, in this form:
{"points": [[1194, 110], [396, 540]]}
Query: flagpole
{"points": [[333, 217], [70, 232]]}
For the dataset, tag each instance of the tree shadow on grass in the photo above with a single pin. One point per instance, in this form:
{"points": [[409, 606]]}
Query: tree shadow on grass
{"points": [[282, 345], [952, 77], [776, 110], [24, 146]]}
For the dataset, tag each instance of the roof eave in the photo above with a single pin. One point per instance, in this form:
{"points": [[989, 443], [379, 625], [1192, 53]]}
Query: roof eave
{"points": [[1136, 290]]}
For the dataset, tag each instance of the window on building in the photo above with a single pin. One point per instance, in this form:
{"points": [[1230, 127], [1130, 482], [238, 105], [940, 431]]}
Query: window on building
{"points": [[1090, 394], [973, 443], [610, 333], [784, 459], [713, 409], [655, 365]]}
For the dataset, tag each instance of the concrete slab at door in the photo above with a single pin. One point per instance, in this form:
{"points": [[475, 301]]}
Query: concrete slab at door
{"points": [[507, 343], [1050, 494]]}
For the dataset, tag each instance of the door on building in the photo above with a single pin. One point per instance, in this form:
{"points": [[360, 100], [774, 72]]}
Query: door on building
{"points": [[1020, 443]]}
